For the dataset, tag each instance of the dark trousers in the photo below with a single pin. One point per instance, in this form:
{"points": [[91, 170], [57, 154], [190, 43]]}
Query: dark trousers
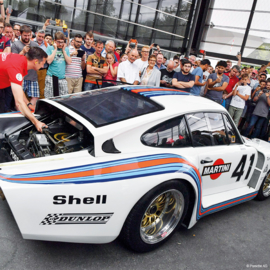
{"points": [[2, 100], [9, 100], [258, 121]]}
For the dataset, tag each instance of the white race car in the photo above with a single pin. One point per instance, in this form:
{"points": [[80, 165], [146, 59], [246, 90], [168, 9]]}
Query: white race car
{"points": [[132, 161]]}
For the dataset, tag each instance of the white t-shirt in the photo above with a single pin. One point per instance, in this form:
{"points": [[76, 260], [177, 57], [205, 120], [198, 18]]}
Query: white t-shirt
{"points": [[205, 78], [129, 71], [141, 64], [236, 100]]}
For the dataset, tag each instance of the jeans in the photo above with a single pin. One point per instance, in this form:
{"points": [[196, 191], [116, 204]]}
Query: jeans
{"points": [[90, 86], [258, 121], [228, 102]]}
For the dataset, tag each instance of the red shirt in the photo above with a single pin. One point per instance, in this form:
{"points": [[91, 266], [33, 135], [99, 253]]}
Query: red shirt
{"points": [[13, 67], [4, 42], [117, 56], [232, 82], [109, 74]]}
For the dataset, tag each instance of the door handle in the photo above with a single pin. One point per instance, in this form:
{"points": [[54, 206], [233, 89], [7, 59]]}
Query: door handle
{"points": [[203, 161]]}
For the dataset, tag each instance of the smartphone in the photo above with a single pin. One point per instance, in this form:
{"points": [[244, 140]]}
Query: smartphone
{"points": [[238, 53], [80, 53], [202, 51], [155, 45], [9, 9], [52, 22], [133, 41], [132, 45]]}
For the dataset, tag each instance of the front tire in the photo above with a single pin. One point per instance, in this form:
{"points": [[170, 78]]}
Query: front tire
{"points": [[264, 191], [156, 216]]}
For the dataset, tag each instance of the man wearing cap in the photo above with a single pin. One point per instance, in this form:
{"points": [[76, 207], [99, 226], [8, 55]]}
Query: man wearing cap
{"points": [[65, 31]]}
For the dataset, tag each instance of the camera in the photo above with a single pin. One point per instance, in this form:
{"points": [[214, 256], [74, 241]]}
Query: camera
{"points": [[52, 22]]}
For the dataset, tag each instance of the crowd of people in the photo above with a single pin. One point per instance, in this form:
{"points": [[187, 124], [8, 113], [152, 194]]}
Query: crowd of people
{"points": [[83, 63]]}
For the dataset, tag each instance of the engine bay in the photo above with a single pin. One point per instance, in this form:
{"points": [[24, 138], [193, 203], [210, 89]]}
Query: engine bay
{"points": [[62, 135]]}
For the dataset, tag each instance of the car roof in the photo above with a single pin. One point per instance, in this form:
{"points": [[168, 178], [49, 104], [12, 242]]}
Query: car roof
{"points": [[172, 99]]}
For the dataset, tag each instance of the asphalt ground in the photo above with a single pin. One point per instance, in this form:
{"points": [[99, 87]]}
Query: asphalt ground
{"points": [[235, 238]]}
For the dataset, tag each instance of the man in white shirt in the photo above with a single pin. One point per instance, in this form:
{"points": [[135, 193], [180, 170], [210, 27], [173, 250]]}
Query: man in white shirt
{"points": [[142, 63], [128, 72], [241, 93]]}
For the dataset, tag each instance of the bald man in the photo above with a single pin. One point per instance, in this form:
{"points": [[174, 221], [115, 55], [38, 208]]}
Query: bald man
{"points": [[166, 75], [128, 72]]}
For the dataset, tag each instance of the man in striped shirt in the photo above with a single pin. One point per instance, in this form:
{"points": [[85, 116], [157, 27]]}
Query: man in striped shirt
{"points": [[74, 74]]}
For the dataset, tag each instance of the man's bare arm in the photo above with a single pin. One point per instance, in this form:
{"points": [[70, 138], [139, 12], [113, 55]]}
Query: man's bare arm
{"points": [[220, 88], [90, 70], [18, 94], [103, 70]]}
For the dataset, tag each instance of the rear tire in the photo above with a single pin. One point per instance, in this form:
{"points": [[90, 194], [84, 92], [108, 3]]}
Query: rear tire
{"points": [[264, 191], [156, 216]]}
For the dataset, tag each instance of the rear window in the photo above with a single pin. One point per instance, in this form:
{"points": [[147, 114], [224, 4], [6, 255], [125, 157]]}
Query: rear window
{"points": [[106, 106]]}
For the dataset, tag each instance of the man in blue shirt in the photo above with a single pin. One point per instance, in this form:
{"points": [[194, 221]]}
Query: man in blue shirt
{"points": [[159, 64], [198, 73], [184, 80], [58, 57]]}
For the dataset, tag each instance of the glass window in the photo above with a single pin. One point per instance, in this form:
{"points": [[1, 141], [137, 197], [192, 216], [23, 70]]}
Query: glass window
{"points": [[172, 133], [199, 129], [217, 128], [258, 42], [232, 134], [106, 106], [232, 4]]}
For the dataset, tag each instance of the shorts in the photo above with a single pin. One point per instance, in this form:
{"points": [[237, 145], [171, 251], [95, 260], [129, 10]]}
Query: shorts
{"points": [[63, 87], [31, 88]]}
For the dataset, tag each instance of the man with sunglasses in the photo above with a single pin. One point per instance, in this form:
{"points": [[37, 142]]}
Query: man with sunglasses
{"points": [[17, 29], [58, 58]]}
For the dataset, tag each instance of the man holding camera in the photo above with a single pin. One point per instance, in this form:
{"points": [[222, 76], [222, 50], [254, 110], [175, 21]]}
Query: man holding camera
{"points": [[260, 113]]}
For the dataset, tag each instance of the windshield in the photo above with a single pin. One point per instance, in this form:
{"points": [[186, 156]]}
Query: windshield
{"points": [[106, 106]]}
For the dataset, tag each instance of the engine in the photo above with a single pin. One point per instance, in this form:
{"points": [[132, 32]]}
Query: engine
{"points": [[63, 135]]}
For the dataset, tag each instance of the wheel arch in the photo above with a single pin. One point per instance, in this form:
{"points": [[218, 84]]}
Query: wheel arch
{"points": [[192, 201]]}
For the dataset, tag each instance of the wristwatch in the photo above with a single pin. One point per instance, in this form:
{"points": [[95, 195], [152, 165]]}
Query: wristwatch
{"points": [[29, 104]]}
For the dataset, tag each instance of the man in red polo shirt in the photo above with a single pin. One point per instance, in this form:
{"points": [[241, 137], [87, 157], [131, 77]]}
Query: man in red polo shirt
{"points": [[232, 82], [13, 68]]}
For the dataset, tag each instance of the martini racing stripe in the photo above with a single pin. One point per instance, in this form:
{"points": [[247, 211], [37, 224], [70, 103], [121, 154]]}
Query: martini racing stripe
{"points": [[145, 166], [152, 91]]}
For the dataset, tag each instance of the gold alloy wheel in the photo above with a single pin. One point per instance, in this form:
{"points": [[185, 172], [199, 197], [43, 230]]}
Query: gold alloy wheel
{"points": [[266, 186], [162, 216]]}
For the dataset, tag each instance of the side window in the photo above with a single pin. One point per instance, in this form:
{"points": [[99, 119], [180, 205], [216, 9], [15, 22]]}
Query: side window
{"points": [[199, 129], [217, 128], [232, 134], [172, 133]]}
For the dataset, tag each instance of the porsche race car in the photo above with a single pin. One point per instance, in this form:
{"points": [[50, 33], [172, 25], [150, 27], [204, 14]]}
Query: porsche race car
{"points": [[129, 161]]}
